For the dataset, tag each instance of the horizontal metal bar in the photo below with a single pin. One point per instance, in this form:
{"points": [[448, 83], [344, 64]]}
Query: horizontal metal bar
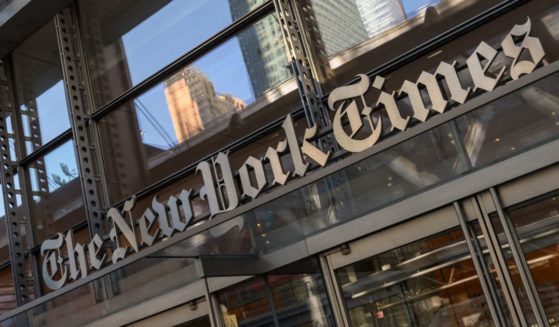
{"points": [[188, 57], [46, 148]]}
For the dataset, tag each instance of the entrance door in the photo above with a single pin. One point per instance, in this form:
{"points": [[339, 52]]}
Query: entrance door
{"points": [[419, 273]]}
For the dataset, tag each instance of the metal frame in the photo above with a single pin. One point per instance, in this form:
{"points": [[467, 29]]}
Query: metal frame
{"points": [[484, 275], [84, 134], [520, 261]]}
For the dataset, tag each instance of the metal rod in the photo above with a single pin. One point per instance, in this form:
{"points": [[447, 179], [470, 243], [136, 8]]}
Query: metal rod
{"points": [[484, 275], [520, 261]]}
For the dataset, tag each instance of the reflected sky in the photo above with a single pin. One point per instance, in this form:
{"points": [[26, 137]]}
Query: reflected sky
{"points": [[166, 34], [53, 122]]}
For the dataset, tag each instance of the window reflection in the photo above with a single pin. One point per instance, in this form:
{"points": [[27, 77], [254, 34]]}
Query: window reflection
{"points": [[127, 41], [431, 282], [537, 226], [206, 105], [289, 299], [513, 123], [40, 88], [57, 202], [7, 291]]}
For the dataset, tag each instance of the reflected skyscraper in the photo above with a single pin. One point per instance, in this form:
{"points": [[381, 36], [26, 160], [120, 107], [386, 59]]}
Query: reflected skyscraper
{"points": [[194, 104], [340, 23], [262, 47], [380, 15]]}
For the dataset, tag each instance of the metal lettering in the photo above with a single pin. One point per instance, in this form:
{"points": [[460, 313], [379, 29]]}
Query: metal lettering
{"points": [[146, 222], [161, 211], [120, 225], [457, 92], [226, 191], [53, 263], [347, 111], [248, 189], [521, 34], [280, 177], [389, 103], [312, 151], [479, 71], [438, 103], [173, 204], [93, 248], [72, 251]]}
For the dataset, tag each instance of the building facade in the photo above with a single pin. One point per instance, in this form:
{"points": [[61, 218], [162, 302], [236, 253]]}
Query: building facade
{"points": [[279, 163]]}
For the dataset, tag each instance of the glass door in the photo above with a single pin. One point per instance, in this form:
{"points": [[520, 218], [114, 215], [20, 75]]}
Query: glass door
{"points": [[419, 273]]}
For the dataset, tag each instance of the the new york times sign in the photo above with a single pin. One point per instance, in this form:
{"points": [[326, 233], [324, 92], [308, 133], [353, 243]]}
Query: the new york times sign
{"points": [[66, 260]]}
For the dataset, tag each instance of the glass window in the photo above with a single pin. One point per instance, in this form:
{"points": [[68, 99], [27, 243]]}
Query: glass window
{"points": [[537, 227], [360, 35], [431, 282], [126, 41], [57, 202], [204, 106], [513, 123], [290, 299], [7, 291], [40, 88]]}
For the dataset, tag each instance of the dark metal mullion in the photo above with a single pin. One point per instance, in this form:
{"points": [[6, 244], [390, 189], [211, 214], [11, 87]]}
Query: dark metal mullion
{"points": [[24, 180], [483, 273], [520, 261], [495, 251], [185, 59], [46, 148]]}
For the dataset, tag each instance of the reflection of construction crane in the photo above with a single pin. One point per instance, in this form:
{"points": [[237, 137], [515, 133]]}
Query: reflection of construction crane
{"points": [[155, 124]]}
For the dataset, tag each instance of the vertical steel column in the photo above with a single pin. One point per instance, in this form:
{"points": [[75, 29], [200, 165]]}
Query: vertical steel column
{"points": [[520, 261], [334, 294], [501, 268], [488, 287], [16, 217], [307, 60], [85, 136]]}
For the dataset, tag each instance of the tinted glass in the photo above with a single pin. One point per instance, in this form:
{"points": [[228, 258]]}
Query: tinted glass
{"points": [[205, 105], [40, 89], [537, 226], [57, 202], [431, 282], [7, 291], [127, 41]]}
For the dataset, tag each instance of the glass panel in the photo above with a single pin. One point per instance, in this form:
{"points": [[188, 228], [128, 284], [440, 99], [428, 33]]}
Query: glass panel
{"points": [[537, 226], [137, 282], [246, 304], [203, 107], [126, 41], [57, 202], [513, 123], [40, 88], [431, 282], [293, 298], [435, 17], [7, 291]]}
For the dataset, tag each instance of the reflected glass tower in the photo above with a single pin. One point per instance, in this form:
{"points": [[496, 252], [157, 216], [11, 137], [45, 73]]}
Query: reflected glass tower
{"points": [[262, 47], [380, 15], [194, 105]]}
